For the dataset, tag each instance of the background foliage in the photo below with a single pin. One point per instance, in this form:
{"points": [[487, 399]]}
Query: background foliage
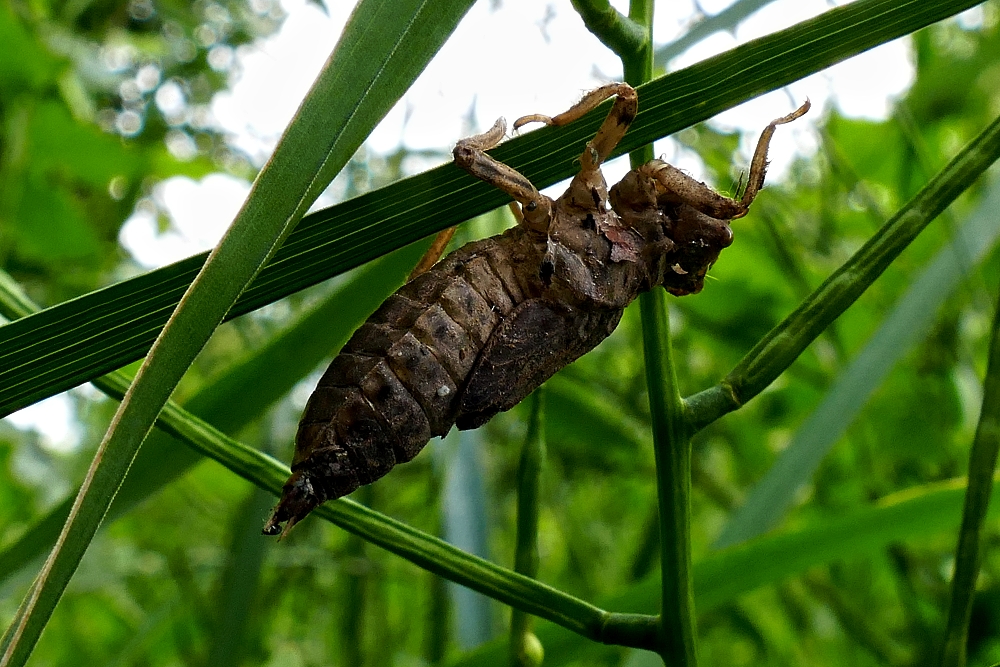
{"points": [[182, 576]]}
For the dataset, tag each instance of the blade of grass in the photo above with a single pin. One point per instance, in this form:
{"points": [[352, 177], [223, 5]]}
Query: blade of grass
{"points": [[907, 323], [982, 463], [271, 371], [384, 47], [84, 338]]}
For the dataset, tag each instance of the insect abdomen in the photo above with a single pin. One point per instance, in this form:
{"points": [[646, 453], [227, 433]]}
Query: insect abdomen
{"points": [[398, 381]]}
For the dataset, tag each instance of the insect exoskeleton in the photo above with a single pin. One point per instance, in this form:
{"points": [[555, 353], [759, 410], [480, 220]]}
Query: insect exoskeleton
{"points": [[483, 328]]}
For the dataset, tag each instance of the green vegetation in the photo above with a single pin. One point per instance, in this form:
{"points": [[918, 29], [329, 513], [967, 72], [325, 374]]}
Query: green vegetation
{"points": [[809, 421]]}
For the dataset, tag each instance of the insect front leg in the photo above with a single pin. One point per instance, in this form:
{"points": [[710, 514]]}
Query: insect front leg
{"points": [[676, 186], [470, 155]]}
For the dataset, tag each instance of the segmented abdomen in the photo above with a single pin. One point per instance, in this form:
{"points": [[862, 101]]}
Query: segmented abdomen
{"points": [[398, 381]]}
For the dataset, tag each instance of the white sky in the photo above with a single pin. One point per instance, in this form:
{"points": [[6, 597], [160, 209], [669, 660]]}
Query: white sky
{"points": [[507, 58]]}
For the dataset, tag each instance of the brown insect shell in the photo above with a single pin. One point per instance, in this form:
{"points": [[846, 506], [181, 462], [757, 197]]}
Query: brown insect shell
{"points": [[595, 258], [546, 298]]}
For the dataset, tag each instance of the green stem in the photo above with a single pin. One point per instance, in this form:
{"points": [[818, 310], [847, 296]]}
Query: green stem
{"points": [[982, 462], [526, 651], [427, 552], [619, 33], [671, 435], [672, 446], [783, 344]]}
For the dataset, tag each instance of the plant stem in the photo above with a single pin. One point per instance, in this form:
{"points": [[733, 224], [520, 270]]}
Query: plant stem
{"points": [[783, 344], [982, 462], [526, 651], [618, 33], [671, 435], [672, 445]]}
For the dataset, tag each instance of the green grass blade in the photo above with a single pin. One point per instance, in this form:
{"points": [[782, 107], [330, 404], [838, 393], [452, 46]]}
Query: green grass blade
{"points": [[84, 338], [227, 401], [982, 463], [383, 48], [908, 322]]}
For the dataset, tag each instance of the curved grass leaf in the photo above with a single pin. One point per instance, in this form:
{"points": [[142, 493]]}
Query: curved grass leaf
{"points": [[226, 401], [383, 48], [908, 322], [81, 339]]}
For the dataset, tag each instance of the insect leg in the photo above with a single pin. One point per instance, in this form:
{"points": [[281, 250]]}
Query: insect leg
{"points": [[613, 128], [676, 186], [759, 163], [434, 252], [470, 155]]}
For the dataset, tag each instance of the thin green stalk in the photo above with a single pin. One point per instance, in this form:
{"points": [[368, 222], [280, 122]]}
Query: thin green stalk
{"points": [[381, 51], [672, 445], [783, 344], [982, 463], [909, 321], [619, 33], [526, 650], [671, 435]]}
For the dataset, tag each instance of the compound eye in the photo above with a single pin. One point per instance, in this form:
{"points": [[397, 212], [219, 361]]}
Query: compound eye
{"points": [[532, 205]]}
